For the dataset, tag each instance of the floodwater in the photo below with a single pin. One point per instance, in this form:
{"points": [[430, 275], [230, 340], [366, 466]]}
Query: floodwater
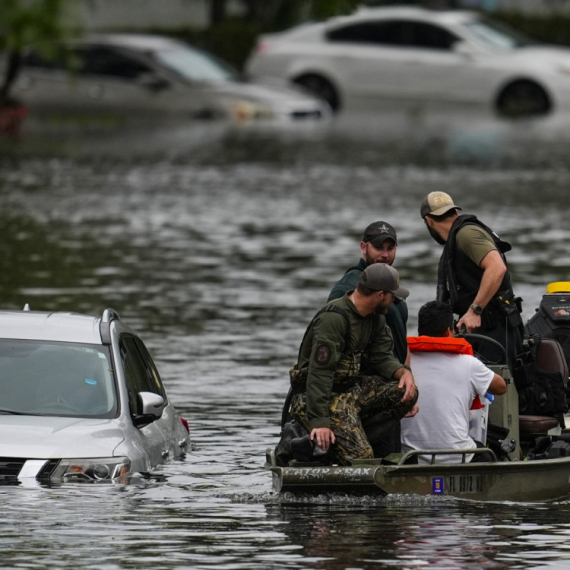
{"points": [[218, 244]]}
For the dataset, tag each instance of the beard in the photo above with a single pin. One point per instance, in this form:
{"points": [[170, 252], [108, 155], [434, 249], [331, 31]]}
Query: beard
{"points": [[435, 235], [381, 309]]}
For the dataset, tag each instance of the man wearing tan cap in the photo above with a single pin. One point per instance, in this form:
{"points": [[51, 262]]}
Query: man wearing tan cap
{"points": [[473, 276], [330, 396]]}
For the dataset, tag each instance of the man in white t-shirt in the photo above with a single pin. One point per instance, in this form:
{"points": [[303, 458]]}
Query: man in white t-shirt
{"points": [[448, 377]]}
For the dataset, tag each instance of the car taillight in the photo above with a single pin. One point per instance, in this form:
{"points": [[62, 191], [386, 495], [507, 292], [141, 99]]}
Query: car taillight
{"points": [[185, 424], [262, 46]]}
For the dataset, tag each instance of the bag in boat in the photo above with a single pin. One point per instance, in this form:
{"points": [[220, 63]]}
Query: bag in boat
{"points": [[541, 392]]}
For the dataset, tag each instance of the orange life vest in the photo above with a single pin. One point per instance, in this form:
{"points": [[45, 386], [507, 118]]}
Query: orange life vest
{"points": [[443, 344], [439, 344]]}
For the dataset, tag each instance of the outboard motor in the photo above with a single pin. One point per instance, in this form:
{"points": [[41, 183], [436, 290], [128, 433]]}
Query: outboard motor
{"points": [[552, 318]]}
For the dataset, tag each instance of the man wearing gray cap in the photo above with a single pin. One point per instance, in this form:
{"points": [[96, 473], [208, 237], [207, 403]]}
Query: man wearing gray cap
{"points": [[379, 244], [473, 276], [330, 396]]}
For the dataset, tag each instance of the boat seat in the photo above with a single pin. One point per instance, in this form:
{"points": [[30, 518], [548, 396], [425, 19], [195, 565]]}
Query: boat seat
{"points": [[535, 426], [550, 358]]}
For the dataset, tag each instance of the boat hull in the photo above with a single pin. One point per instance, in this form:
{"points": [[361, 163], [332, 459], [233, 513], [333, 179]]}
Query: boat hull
{"points": [[519, 481]]}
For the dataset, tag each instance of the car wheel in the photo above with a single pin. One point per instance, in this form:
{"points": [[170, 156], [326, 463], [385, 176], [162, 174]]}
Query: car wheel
{"points": [[321, 88], [523, 99]]}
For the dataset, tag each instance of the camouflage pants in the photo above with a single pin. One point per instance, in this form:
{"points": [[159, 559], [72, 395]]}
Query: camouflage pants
{"points": [[369, 396]]}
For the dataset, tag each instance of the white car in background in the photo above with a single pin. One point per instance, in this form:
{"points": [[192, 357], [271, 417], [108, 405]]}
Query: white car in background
{"points": [[81, 400], [132, 78], [420, 55]]}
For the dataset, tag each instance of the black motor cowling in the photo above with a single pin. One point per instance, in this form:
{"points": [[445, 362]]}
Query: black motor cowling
{"points": [[552, 318]]}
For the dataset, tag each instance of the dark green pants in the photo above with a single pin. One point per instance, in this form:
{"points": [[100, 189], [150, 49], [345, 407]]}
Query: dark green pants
{"points": [[370, 395]]}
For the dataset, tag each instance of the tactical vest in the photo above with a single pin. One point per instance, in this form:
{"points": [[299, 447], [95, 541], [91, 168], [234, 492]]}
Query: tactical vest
{"points": [[459, 278], [348, 367]]}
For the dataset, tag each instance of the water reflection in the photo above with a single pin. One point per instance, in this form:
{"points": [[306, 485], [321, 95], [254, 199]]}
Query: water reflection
{"points": [[219, 247]]}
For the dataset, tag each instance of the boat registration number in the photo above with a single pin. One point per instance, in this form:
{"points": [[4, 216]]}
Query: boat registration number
{"points": [[453, 484]]}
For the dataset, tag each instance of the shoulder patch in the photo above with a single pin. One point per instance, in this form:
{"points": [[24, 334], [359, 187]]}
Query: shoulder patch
{"points": [[323, 354]]}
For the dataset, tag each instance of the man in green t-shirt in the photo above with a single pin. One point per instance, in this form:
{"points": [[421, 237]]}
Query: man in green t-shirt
{"points": [[473, 276]]}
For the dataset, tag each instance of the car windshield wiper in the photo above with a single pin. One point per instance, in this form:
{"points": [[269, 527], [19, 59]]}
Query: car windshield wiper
{"points": [[12, 412]]}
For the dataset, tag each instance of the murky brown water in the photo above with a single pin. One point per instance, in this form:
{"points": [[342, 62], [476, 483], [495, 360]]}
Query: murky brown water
{"points": [[219, 246]]}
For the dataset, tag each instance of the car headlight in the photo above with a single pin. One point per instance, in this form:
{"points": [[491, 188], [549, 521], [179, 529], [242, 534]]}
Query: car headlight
{"points": [[96, 469], [246, 111]]}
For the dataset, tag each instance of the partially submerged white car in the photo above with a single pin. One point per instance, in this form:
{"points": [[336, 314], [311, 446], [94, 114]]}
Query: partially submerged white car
{"points": [[420, 56], [81, 400], [134, 78]]}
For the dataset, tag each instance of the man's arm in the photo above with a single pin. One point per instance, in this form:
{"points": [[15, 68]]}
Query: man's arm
{"points": [[326, 348], [494, 270], [498, 386], [484, 380]]}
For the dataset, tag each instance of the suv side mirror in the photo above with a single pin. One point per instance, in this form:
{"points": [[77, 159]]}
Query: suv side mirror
{"points": [[151, 404]]}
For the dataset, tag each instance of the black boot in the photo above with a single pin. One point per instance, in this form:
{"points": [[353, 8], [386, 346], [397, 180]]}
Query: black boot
{"points": [[290, 431], [305, 450]]}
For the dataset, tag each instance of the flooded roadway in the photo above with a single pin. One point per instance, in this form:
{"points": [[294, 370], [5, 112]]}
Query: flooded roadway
{"points": [[218, 246]]}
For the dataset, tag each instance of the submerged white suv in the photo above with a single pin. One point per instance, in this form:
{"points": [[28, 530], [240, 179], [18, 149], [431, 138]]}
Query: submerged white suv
{"points": [[81, 400]]}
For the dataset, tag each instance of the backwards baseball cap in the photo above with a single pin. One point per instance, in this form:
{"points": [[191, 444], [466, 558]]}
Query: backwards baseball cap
{"points": [[382, 277], [437, 204], [378, 232]]}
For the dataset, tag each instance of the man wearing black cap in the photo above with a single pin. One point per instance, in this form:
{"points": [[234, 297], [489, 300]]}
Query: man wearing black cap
{"points": [[473, 276], [330, 395], [378, 245]]}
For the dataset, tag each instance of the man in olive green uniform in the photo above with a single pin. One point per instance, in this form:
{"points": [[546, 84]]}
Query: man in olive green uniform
{"points": [[331, 396], [378, 245], [473, 276]]}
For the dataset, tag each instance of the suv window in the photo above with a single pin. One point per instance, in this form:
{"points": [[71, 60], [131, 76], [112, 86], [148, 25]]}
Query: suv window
{"points": [[56, 379], [32, 58], [140, 372], [402, 33], [93, 60], [99, 60], [151, 371]]}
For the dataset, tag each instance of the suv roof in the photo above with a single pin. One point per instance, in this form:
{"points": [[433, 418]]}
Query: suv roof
{"points": [[62, 327], [139, 42]]}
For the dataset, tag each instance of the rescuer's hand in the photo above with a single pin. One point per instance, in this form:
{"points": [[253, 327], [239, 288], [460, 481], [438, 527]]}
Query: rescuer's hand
{"points": [[324, 436], [413, 412], [407, 381], [470, 320]]}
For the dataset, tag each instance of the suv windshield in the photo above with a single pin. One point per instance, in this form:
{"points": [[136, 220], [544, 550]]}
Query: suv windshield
{"points": [[56, 379], [195, 65], [497, 35]]}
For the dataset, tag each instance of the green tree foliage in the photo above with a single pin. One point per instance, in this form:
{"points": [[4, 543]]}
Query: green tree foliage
{"points": [[34, 23], [322, 9], [233, 38]]}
